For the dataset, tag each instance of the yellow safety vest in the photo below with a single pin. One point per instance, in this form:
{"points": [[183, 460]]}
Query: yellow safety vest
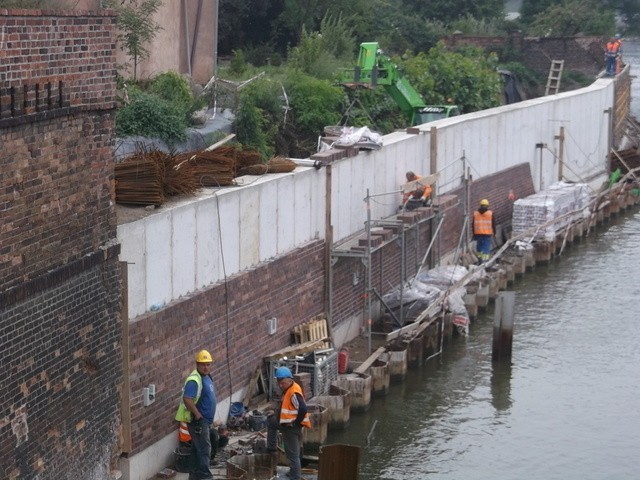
{"points": [[288, 410], [482, 223], [183, 414]]}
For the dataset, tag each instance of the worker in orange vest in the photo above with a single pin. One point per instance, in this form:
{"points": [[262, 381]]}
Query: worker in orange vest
{"points": [[289, 418], [612, 55], [420, 195], [484, 228]]}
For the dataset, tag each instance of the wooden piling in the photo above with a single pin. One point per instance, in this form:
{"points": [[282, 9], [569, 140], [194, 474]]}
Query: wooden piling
{"points": [[359, 384], [482, 295], [397, 363], [338, 405], [543, 251], [503, 326], [314, 438], [470, 299], [415, 350]]}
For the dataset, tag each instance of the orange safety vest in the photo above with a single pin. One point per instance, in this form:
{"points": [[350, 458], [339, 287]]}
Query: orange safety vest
{"points": [[183, 433], [425, 190], [612, 48], [289, 408], [482, 223]]}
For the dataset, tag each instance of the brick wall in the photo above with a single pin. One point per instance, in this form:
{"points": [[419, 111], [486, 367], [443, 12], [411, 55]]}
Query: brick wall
{"points": [[581, 54], [349, 300], [229, 320], [60, 327]]}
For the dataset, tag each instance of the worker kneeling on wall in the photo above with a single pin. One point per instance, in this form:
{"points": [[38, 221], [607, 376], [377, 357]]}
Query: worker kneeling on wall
{"points": [[419, 196]]}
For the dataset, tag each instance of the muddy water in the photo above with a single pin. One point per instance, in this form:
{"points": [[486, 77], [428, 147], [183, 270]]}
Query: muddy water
{"points": [[568, 407]]}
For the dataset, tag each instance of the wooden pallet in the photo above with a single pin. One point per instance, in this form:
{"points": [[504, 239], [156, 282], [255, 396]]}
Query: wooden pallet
{"points": [[312, 331]]}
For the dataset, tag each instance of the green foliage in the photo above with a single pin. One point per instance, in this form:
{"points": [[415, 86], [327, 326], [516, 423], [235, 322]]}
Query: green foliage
{"points": [[238, 63], [312, 58], [136, 27], [258, 115], [466, 77], [174, 89], [572, 17], [315, 103], [470, 25], [151, 116], [320, 54]]}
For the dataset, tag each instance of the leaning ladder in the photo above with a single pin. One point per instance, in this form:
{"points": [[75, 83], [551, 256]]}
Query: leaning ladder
{"points": [[555, 73]]}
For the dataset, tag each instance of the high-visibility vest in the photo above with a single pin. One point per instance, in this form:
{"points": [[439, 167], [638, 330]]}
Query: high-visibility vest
{"points": [[183, 414], [288, 410], [482, 223], [183, 433], [612, 49]]}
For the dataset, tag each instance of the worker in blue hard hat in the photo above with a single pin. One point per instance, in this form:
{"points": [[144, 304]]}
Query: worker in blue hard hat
{"points": [[290, 417]]}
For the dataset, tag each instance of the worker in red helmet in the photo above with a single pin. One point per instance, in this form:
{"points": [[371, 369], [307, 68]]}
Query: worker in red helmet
{"points": [[484, 228], [289, 418]]}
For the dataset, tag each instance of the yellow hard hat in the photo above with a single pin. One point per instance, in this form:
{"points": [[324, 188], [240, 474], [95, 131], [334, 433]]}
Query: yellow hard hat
{"points": [[203, 357], [484, 202]]}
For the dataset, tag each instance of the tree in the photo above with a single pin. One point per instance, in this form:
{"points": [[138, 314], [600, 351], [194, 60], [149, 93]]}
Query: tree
{"points": [[136, 25], [449, 10], [466, 77], [572, 17]]}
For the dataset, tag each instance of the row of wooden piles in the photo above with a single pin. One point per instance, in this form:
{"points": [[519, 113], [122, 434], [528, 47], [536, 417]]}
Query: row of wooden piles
{"points": [[149, 177]]}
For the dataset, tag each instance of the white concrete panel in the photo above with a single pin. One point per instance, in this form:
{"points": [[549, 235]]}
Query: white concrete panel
{"points": [[249, 226], [318, 203], [229, 211], [285, 214], [208, 264], [183, 251], [268, 229], [302, 210], [342, 202], [158, 266], [133, 252]]}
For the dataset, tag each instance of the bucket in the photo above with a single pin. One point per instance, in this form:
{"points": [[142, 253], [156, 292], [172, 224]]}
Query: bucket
{"points": [[181, 459], [256, 421], [343, 360]]}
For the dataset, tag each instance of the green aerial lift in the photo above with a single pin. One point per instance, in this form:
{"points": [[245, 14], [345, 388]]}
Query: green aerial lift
{"points": [[374, 68]]}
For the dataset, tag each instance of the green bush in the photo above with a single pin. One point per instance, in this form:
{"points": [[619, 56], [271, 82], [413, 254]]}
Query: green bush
{"points": [[174, 89], [238, 63], [151, 116]]}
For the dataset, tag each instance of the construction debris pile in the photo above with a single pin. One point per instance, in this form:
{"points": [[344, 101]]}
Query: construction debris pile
{"points": [[149, 177], [541, 208]]}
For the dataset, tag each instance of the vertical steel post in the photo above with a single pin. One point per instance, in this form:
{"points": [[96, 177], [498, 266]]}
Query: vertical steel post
{"points": [[369, 285]]}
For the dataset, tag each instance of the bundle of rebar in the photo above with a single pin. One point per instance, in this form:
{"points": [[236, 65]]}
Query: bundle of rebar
{"points": [[138, 181], [275, 165], [178, 176], [249, 159], [215, 168]]}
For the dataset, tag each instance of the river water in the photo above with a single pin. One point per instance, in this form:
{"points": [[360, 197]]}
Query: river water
{"points": [[568, 405]]}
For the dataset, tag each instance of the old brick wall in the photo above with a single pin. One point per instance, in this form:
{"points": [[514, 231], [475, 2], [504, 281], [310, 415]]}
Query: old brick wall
{"points": [[60, 326], [229, 320], [349, 300], [581, 54]]}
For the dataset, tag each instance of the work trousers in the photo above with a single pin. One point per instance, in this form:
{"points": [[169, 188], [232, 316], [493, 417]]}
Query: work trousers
{"points": [[483, 247], [292, 438], [200, 451], [610, 62]]}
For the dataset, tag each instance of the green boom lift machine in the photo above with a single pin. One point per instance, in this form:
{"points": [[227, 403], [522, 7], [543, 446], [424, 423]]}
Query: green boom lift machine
{"points": [[374, 69]]}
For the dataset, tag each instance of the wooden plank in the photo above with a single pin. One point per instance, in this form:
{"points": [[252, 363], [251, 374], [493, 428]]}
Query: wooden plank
{"points": [[295, 350], [364, 366], [251, 387]]}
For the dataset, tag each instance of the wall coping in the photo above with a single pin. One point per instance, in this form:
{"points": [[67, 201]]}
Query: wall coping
{"points": [[24, 12]]}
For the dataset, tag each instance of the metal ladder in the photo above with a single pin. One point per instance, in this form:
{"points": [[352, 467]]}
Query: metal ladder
{"points": [[555, 73]]}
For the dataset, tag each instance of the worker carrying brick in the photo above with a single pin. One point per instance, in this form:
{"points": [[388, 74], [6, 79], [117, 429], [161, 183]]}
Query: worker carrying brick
{"points": [[484, 228], [419, 196]]}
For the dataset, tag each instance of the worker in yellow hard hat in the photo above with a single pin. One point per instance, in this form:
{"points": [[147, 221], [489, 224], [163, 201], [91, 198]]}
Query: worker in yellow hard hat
{"points": [[484, 228], [198, 409]]}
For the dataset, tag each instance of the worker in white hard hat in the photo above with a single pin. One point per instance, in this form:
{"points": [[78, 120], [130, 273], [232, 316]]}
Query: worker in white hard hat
{"points": [[198, 409], [289, 418], [484, 228]]}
